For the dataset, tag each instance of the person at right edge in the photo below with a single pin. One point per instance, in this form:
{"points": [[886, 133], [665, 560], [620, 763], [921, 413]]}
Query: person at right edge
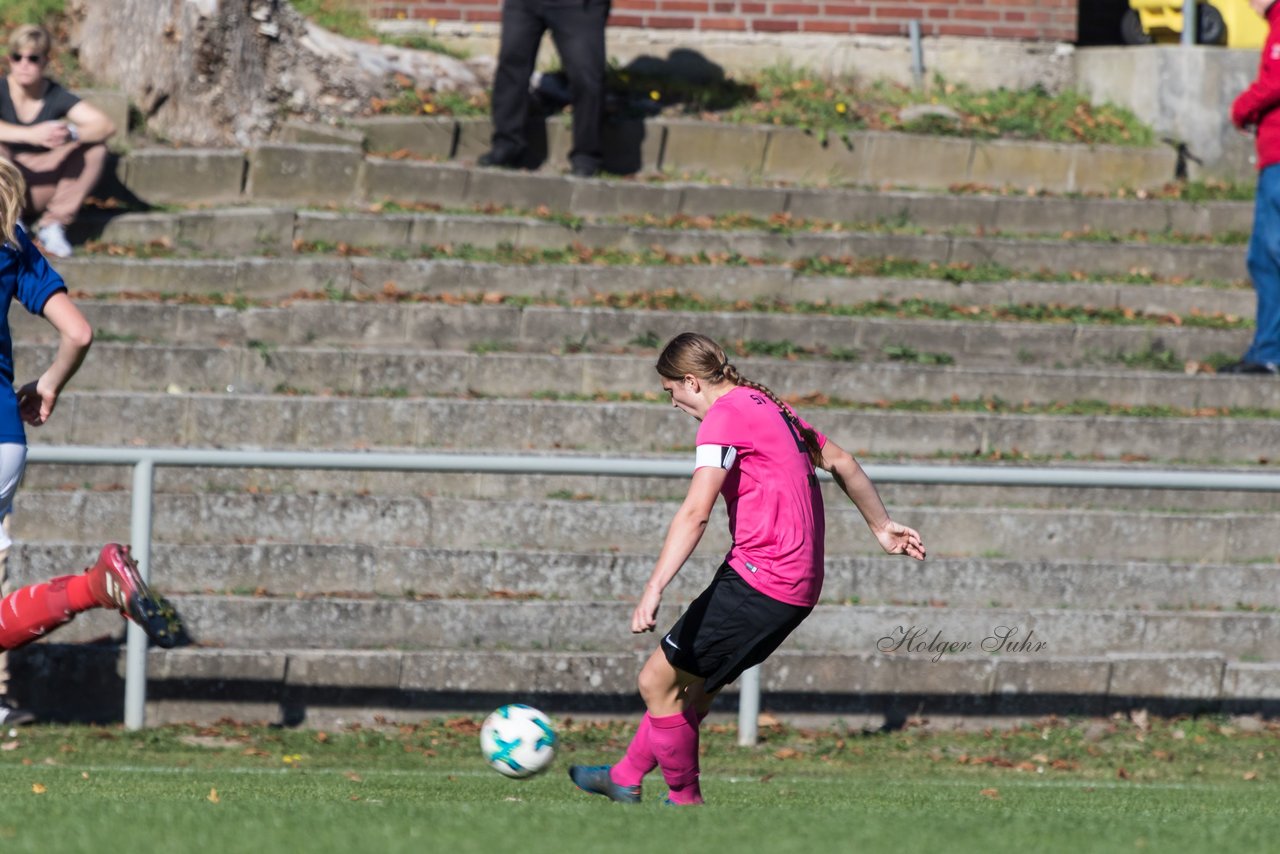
{"points": [[1255, 109]]}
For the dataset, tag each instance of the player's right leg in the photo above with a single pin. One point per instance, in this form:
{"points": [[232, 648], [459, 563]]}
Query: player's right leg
{"points": [[31, 612]]}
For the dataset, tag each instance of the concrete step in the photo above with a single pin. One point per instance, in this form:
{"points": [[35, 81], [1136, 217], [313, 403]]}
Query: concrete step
{"points": [[457, 185], [552, 524], [476, 328], [245, 278], [256, 230], [587, 625], [442, 424], [745, 154], [375, 571], [338, 687], [410, 373]]}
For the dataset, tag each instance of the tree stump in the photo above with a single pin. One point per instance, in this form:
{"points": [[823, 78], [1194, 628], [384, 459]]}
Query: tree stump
{"points": [[227, 72]]}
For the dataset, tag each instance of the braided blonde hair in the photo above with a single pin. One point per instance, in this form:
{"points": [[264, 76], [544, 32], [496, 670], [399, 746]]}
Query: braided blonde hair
{"points": [[694, 354], [13, 192]]}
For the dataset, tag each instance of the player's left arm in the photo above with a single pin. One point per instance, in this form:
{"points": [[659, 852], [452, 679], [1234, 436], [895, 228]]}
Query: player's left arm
{"points": [[894, 538], [683, 536], [37, 399], [92, 125]]}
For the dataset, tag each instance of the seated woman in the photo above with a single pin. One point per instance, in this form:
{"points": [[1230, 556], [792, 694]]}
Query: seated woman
{"points": [[54, 138]]}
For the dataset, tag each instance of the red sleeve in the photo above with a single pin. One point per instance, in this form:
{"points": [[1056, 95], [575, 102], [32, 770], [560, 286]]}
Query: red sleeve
{"points": [[1264, 94]]}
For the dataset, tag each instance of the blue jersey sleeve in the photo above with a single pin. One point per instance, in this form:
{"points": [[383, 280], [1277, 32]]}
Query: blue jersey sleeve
{"points": [[37, 281]]}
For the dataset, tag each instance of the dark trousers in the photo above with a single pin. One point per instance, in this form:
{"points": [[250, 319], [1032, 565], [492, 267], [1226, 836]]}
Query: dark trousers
{"points": [[577, 29]]}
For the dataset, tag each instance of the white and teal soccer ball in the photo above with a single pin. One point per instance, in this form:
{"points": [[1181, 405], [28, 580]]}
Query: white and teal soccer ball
{"points": [[518, 741]]}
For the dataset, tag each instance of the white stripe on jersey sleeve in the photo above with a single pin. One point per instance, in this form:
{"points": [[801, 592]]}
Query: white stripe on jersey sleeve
{"points": [[720, 456]]}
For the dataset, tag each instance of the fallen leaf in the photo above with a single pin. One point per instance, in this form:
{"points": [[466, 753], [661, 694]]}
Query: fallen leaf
{"points": [[993, 794], [38, 788], [213, 797]]}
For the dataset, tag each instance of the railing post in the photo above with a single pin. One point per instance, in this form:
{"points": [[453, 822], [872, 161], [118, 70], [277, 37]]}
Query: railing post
{"points": [[749, 706], [917, 54], [135, 670], [1189, 22]]}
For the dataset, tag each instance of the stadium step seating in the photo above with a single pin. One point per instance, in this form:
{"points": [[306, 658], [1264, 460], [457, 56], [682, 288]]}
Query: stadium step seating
{"points": [[1022, 331]]}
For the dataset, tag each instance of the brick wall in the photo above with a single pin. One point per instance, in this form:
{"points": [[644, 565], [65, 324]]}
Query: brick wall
{"points": [[1048, 20]]}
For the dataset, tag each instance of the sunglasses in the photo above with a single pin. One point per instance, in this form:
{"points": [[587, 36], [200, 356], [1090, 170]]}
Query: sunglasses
{"points": [[32, 58]]}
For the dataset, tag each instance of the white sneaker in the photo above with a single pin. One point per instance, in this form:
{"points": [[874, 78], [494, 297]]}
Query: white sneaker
{"points": [[11, 716], [53, 237]]}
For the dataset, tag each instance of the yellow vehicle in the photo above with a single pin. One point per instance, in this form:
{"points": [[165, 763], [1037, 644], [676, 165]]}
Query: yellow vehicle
{"points": [[1224, 22]]}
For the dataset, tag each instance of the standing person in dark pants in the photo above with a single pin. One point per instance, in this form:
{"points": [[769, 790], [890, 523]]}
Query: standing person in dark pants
{"points": [[577, 28], [1258, 109]]}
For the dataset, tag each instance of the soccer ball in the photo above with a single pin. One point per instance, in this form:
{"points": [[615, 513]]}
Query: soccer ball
{"points": [[518, 741]]}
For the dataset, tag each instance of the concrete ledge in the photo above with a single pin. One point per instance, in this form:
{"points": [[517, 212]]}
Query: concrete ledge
{"points": [[730, 151], [595, 525], [474, 138], [421, 136], [916, 161], [1102, 168], [1209, 262], [797, 155], [1202, 440], [238, 229], [293, 172], [1191, 676], [412, 181], [1026, 165], [315, 133], [304, 173], [267, 275]]}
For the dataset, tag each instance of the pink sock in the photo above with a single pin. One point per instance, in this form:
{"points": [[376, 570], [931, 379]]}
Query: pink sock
{"points": [[675, 744], [639, 760]]}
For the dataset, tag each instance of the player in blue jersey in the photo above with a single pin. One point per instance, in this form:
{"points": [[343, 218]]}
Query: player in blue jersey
{"points": [[113, 581]]}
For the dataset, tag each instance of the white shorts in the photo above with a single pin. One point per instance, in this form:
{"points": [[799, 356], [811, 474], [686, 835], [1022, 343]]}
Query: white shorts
{"points": [[13, 460]]}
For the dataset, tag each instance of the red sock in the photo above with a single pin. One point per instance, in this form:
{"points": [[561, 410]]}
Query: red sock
{"points": [[675, 743], [639, 760], [30, 612]]}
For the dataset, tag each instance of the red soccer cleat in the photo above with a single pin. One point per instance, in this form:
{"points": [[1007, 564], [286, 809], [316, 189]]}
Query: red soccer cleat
{"points": [[115, 583]]}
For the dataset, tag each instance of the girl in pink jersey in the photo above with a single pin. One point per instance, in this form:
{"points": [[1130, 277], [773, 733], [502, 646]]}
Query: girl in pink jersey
{"points": [[761, 456]]}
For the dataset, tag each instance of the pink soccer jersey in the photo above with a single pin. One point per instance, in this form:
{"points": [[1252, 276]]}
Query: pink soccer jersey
{"points": [[772, 495]]}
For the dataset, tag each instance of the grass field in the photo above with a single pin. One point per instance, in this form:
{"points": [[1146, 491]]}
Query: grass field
{"points": [[1118, 785]]}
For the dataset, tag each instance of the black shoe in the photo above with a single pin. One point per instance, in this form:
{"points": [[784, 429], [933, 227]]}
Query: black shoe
{"points": [[583, 170], [1245, 367], [13, 716], [494, 160]]}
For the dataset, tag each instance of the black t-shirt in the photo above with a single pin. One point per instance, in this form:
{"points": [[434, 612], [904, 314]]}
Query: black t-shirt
{"points": [[56, 104]]}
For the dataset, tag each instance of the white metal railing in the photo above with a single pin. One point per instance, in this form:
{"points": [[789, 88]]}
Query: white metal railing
{"points": [[144, 461]]}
